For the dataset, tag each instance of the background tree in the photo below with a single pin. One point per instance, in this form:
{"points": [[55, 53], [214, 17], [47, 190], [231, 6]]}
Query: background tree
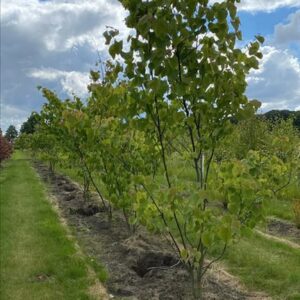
{"points": [[11, 133], [279, 115], [29, 126]]}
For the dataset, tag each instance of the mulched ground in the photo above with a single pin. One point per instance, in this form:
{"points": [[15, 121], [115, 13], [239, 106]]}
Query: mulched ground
{"points": [[126, 257], [283, 229]]}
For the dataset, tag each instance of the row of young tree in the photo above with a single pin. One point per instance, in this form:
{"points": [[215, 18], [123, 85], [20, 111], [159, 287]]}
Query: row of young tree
{"points": [[155, 137]]}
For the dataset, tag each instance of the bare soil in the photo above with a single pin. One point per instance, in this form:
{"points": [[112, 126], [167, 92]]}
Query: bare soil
{"points": [[283, 229], [129, 259]]}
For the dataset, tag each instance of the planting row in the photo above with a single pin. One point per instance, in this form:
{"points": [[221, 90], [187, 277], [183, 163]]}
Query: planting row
{"points": [[167, 135]]}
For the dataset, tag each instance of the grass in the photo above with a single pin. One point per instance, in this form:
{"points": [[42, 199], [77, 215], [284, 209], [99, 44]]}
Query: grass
{"points": [[282, 209], [266, 265], [283, 206], [38, 260]]}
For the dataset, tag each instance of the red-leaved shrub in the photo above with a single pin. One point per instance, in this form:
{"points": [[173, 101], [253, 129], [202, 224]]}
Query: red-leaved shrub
{"points": [[5, 148]]}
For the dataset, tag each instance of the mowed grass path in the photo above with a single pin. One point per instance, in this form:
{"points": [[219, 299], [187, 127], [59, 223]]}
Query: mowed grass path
{"points": [[38, 261], [266, 265]]}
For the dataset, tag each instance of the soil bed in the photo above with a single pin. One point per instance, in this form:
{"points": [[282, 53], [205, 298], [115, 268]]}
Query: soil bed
{"points": [[131, 261], [283, 229]]}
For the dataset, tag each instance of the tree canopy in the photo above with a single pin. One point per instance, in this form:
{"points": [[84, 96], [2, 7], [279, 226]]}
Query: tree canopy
{"points": [[29, 126], [11, 133], [277, 115]]}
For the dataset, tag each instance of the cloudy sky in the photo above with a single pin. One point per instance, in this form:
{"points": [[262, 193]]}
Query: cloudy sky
{"points": [[55, 43]]}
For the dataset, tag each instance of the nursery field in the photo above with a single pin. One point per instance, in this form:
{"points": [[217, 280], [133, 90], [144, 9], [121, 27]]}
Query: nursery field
{"points": [[162, 180], [39, 259]]}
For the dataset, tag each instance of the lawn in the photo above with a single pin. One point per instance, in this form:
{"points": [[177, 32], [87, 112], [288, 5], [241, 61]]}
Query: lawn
{"points": [[38, 260], [266, 265]]}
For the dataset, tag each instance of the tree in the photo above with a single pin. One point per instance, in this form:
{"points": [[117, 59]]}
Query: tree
{"points": [[279, 115], [119, 151], [30, 125], [23, 141], [11, 133], [68, 122], [186, 81]]}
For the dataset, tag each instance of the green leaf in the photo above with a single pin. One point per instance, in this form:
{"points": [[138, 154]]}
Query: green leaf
{"points": [[116, 48], [225, 233], [254, 48], [207, 239], [260, 38], [184, 254]]}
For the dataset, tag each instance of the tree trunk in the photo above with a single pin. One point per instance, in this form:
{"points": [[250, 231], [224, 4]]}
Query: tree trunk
{"points": [[197, 284]]}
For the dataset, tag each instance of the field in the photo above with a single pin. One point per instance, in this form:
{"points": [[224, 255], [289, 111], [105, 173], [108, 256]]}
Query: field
{"points": [[162, 181], [39, 255]]}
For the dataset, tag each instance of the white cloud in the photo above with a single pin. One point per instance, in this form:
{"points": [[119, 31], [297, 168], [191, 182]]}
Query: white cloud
{"points": [[60, 39], [277, 82], [267, 5], [61, 25], [290, 32], [72, 82], [11, 115]]}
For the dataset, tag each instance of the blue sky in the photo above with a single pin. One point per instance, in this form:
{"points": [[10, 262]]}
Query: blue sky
{"points": [[263, 22], [55, 43]]}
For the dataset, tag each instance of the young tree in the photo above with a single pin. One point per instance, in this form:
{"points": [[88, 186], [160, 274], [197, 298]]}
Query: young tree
{"points": [[66, 120], [11, 133], [186, 78], [44, 145], [118, 151]]}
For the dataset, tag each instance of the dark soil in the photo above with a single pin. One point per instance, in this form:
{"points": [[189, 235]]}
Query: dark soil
{"points": [[69, 196], [133, 261], [283, 229]]}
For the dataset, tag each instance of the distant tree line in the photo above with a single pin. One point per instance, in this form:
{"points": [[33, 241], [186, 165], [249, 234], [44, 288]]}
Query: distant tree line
{"points": [[276, 115]]}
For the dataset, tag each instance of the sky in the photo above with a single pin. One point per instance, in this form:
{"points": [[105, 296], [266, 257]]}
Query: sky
{"points": [[55, 44]]}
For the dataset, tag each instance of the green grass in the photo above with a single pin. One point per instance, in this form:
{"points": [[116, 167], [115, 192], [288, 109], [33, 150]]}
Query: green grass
{"points": [[266, 265], [99, 269], [34, 244], [282, 209]]}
